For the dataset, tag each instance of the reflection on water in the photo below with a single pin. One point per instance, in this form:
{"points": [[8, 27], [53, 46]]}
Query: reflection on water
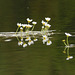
{"points": [[8, 40], [67, 45], [66, 50], [37, 59]]}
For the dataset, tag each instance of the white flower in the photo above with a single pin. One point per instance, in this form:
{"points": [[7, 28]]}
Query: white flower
{"points": [[35, 39], [47, 25], [29, 20], [42, 27], [47, 19], [23, 25], [19, 24], [20, 43], [43, 42], [21, 39], [24, 45], [45, 39], [49, 42], [28, 26], [67, 34], [34, 23], [28, 38], [69, 57], [30, 42], [43, 22], [21, 28]]}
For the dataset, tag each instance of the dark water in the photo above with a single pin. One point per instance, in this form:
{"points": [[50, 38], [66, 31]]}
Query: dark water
{"points": [[37, 59]]}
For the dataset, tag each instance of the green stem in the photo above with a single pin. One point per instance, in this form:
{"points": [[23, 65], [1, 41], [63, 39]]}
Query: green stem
{"points": [[21, 34], [65, 44], [67, 41], [32, 28], [65, 48], [16, 33], [42, 29], [67, 51], [27, 30], [17, 30], [17, 38]]}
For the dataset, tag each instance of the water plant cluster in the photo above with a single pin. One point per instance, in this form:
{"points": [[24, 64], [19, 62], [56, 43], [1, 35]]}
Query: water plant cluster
{"points": [[26, 28], [67, 46], [28, 40]]}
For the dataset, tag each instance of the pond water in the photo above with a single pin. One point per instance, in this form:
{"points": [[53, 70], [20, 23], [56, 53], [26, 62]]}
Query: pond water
{"points": [[37, 59]]}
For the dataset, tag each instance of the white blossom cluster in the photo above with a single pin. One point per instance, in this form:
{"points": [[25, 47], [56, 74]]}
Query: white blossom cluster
{"points": [[30, 27]]}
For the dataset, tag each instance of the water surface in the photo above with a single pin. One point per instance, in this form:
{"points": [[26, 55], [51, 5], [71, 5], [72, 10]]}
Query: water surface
{"points": [[37, 59]]}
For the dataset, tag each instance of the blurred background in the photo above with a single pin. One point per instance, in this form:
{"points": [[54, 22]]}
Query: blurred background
{"points": [[37, 59], [62, 13]]}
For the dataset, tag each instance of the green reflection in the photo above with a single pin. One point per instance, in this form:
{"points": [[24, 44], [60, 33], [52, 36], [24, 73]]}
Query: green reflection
{"points": [[66, 51]]}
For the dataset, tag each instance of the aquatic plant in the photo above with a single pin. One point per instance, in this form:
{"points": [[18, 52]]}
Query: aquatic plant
{"points": [[66, 51], [66, 43], [26, 28], [44, 31]]}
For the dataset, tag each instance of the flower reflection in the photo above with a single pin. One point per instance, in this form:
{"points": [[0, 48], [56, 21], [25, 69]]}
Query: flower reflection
{"points": [[66, 51], [26, 28], [24, 45], [49, 42], [20, 43], [30, 42], [67, 46], [35, 39], [28, 38]]}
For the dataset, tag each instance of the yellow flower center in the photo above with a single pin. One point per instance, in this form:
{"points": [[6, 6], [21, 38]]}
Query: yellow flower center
{"points": [[18, 25], [43, 23], [24, 43], [19, 41], [68, 56], [47, 20], [29, 21], [63, 40], [64, 51], [29, 40], [28, 27], [48, 41], [67, 35], [47, 26], [23, 26], [44, 38], [21, 30], [34, 39], [27, 37]]}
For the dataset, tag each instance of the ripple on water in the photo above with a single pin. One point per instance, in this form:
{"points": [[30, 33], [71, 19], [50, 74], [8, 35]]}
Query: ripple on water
{"points": [[7, 40]]}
